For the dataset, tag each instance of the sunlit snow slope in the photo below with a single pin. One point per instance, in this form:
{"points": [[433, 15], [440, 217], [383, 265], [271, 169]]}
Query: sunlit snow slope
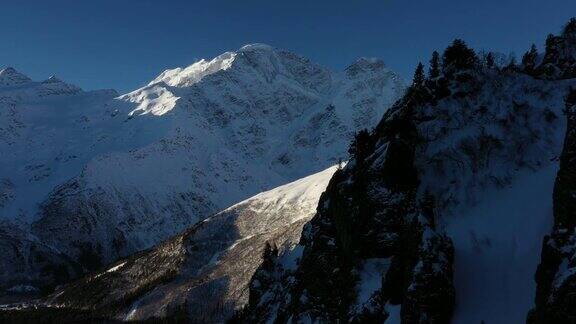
{"points": [[208, 267]]}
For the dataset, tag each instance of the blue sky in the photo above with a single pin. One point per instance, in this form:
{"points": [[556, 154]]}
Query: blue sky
{"points": [[123, 44]]}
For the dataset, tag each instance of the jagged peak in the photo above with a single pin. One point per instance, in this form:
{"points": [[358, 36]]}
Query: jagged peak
{"points": [[9, 70], [365, 64], [52, 79], [54, 85], [196, 71], [187, 76], [256, 47], [11, 77]]}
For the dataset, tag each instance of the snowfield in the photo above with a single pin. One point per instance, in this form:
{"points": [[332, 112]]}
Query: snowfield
{"points": [[497, 245]]}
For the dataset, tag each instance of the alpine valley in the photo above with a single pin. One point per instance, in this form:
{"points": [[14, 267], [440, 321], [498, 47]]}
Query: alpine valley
{"points": [[259, 187]]}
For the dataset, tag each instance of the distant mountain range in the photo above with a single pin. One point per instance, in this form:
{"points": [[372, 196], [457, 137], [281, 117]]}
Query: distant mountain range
{"points": [[89, 177]]}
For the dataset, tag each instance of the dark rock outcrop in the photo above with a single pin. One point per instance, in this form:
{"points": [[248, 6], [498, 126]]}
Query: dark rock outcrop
{"points": [[559, 61]]}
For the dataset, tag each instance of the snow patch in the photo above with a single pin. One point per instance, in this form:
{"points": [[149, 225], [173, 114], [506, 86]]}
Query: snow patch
{"points": [[371, 278], [497, 248], [393, 314]]}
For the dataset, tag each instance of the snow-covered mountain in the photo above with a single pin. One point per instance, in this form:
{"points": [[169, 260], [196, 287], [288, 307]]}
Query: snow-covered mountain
{"points": [[217, 133], [438, 217], [203, 273], [97, 176]]}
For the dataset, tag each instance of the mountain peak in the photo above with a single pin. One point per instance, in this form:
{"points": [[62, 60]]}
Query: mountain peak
{"points": [[365, 64], [10, 77], [256, 47], [52, 79], [195, 72]]}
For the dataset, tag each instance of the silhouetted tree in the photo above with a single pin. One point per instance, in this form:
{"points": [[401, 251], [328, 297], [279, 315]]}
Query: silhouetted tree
{"points": [[458, 56], [361, 145], [270, 252], [490, 60], [434, 71], [512, 66], [428, 207], [551, 49], [529, 59], [419, 76], [570, 27]]}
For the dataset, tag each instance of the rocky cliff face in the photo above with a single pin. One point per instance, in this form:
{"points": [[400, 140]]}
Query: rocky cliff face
{"points": [[556, 273], [404, 234]]}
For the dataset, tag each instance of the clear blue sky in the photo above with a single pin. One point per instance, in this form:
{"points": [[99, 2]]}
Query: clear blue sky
{"points": [[123, 44]]}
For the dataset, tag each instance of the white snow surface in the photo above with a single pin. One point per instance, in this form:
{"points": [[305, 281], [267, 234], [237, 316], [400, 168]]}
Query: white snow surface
{"points": [[302, 194], [393, 314], [497, 249], [371, 279], [192, 142]]}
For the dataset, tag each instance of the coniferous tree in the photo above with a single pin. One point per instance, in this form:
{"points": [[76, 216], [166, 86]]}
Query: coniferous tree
{"points": [[428, 206], [512, 66], [551, 46], [549, 41], [268, 255], [361, 146], [419, 76], [458, 56], [490, 60], [529, 59], [570, 28], [434, 71]]}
